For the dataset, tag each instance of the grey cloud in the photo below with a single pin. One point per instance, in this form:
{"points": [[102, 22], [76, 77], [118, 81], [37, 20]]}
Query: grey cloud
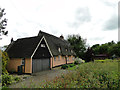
{"points": [[97, 38], [109, 3], [82, 16], [112, 23]]}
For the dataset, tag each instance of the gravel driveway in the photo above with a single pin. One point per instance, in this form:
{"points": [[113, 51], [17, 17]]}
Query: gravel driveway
{"points": [[36, 78]]}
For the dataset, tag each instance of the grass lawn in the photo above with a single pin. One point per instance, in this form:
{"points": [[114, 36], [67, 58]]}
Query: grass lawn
{"points": [[98, 74], [88, 75]]}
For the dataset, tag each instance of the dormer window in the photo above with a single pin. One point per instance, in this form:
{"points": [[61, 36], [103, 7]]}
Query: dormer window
{"points": [[59, 49], [71, 51], [42, 45], [66, 49]]}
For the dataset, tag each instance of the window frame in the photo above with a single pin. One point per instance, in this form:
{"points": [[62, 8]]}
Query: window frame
{"points": [[23, 61], [59, 49], [59, 57], [54, 58], [42, 45]]}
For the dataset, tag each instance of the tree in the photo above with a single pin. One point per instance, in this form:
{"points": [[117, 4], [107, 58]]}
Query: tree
{"points": [[89, 55], [78, 44], [110, 48], [5, 60], [115, 50], [3, 23], [95, 48]]}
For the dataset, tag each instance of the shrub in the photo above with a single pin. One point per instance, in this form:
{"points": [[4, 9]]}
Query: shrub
{"points": [[9, 79], [76, 62], [64, 66], [17, 79], [5, 60], [6, 79], [71, 65], [89, 75]]}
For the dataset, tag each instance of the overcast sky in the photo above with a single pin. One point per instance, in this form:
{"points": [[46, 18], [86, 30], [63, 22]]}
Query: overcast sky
{"points": [[94, 20]]}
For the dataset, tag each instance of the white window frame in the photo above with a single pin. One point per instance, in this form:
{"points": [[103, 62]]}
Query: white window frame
{"points": [[59, 57], [54, 58], [66, 49], [73, 58], [59, 49], [23, 62], [67, 58]]}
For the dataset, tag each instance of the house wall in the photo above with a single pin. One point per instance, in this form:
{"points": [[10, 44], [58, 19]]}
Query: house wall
{"points": [[28, 65], [61, 61], [15, 62], [70, 59]]}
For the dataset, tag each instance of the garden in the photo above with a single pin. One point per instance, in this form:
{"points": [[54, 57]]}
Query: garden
{"points": [[97, 74], [81, 74]]}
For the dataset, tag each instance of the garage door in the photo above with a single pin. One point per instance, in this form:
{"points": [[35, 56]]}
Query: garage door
{"points": [[40, 65]]}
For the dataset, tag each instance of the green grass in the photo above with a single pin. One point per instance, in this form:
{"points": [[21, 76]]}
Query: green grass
{"points": [[88, 75]]}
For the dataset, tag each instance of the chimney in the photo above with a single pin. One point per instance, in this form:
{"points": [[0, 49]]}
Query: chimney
{"points": [[61, 37], [12, 40]]}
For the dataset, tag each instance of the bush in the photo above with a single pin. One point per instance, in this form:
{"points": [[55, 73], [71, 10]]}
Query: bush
{"points": [[9, 79], [89, 75], [6, 79], [5, 60], [17, 79], [71, 65], [64, 66], [76, 62]]}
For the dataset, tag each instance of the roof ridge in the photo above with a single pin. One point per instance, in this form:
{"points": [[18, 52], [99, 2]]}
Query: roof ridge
{"points": [[50, 35], [26, 38]]}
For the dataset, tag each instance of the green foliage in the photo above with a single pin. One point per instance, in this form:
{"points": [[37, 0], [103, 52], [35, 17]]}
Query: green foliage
{"points": [[110, 48], [9, 79], [89, 55], [106, 60], [3, 23], [64, 66], [76, 62], [88, 75], [17, 79], [71, 65], [6, 79], [5, 60], [78, 44]]}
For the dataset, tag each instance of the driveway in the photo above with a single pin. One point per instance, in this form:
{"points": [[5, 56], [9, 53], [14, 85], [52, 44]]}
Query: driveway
{"points": [[39, 77]]}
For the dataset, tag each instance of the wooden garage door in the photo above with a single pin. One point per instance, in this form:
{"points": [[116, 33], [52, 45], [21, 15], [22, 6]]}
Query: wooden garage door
{"points": [[40, 65]]}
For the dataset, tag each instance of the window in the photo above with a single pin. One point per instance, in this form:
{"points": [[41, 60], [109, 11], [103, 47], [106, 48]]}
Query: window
{"points": [[73, 58], [66, 49], [59, 49], [58, 57], [63, 57], [42, 45], [67, 58], [54, 58], [23, 61], [71, 51]]}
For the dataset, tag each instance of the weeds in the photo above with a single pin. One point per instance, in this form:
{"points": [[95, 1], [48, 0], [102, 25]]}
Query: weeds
{"points": [[88, 75]]}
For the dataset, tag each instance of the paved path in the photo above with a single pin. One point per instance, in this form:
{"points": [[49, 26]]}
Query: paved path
{"points": [[36, 78]]}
